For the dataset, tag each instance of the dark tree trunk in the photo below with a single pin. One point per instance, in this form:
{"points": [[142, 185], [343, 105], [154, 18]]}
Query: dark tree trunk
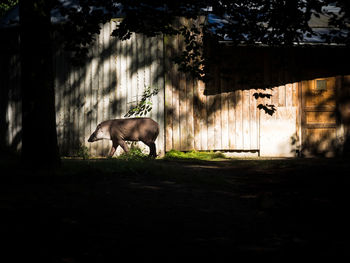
{"points": [[39, 135], [4, 99]]}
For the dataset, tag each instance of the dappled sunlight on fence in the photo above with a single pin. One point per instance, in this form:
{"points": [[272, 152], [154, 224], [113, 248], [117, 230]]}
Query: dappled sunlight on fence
{"points": [[222, 114], [105, 86]]}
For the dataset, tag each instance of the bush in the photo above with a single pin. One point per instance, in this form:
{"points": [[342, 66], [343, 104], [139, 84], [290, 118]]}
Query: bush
{"points": [[83, 152], [135, 153]]}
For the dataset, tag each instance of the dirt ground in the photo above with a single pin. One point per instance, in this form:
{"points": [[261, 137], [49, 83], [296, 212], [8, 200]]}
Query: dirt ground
{"points": [[285, 209]]}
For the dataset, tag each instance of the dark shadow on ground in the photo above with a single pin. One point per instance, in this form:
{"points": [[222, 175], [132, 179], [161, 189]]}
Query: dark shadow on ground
{"points": [[100, 210]]}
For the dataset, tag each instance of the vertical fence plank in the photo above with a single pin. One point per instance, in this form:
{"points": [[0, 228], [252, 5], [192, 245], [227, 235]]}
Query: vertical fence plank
{"points": [[217, 111], [182, 112], [153, 74], [298, 104], [274, 98], [119, 94], [10, 119], [70, 110], [295, 94], [140, 66], [253, 121], [8, 108], [59, 91], [87, 105], [76, 105], [189, 112], [246, 120], [17, 104], [133, 74], [129, 69], [210, 121], [80, 112], [106, 80], [123, 74], [148, 52], [282, 96], [217, 119], [169, 108], [160, 96], [117, 98], [176, 106], [63, 108], [224, 117], [100, 97], [232, 119], [126, 77], [239, 119], [148, 61], [72, 102], [105, 70], [197, 115], [112, 83], [289, 95], [203, 116], [94, 90], [13, 113]]}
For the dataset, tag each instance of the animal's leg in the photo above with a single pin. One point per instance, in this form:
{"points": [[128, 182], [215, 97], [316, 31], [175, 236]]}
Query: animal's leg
{"points": [[124, 146], [113, 149], [152, 149]]}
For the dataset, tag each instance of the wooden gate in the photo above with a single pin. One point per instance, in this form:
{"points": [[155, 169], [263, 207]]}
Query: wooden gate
{"points": [[319, 124]]}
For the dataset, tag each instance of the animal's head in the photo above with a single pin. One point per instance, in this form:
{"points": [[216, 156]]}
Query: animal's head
{"points": [[101, 132]]}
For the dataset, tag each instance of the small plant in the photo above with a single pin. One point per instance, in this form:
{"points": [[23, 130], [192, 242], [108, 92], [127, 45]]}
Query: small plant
{"points": [[135, 153], [144, 105], [83, 152]]}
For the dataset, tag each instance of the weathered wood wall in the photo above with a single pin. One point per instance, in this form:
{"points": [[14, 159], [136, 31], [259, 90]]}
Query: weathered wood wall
{"points": [[107, 86], [225, 119], [220, 115]]}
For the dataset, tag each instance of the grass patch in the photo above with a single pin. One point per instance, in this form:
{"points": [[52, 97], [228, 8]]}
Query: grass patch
{"points": [[194, 155]]}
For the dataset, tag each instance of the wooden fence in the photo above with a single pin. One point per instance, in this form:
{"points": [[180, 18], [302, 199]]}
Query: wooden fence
{"points": [[107, 86], [227, 117], [192, 115], [228, 120], [113, 80]]}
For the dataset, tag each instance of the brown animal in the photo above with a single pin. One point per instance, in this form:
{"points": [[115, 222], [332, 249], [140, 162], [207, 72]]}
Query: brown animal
{"points": [[133, 129]]}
